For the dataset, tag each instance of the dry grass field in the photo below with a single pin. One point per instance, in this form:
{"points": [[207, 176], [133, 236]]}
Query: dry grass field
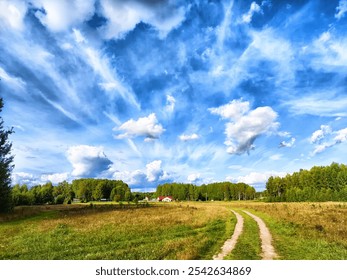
{"points": [[172, 231], [168, 231]]}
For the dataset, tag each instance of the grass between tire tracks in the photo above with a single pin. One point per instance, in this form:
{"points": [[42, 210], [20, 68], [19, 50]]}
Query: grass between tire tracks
{"points": [[248, 246]]}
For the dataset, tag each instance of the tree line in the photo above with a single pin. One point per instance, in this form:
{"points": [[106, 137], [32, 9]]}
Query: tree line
{"points": [[214, 191], [320, 183], [82, 189]]}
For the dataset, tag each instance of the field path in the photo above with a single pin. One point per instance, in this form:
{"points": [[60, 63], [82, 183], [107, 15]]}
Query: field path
{"points": [[266, 238], [229, 245]]}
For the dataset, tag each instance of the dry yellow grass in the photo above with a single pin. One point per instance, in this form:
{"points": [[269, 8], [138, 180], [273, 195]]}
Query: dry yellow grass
{"points": [[326, 219]]}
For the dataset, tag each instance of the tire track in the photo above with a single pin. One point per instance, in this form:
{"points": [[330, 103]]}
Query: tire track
{"points": [[268, 251], [229, 245]]}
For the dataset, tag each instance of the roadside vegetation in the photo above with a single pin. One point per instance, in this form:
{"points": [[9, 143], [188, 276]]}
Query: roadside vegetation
{"points": [[314, 231]]}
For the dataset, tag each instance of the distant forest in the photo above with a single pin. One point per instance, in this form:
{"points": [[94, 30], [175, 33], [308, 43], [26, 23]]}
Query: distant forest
{"points": [[320, 183], [83, 189], [214, 191]]}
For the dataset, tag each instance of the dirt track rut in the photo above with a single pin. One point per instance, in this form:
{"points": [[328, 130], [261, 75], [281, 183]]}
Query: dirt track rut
{"points": [[229, 245], [268, 251]]}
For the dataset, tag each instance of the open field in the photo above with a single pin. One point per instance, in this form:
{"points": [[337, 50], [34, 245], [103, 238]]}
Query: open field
{"points": [[160, 232], [174, 231]]}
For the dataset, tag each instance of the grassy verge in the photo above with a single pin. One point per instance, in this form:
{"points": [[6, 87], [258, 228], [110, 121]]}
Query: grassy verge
{"points": [[248, 246], [294, 242], [168, 232]]}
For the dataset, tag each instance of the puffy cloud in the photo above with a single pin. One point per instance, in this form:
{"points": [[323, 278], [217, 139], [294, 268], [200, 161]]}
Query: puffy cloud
{"points": [[341, 9], [88, 161], [194, 178], [146, 126], [60, 15], [25, 178], [187, 137], [123, 16], [254, 8], [154, 171], [12, 13], [233, 110], [132, 178], [318, 135], [153, 174], [288, 144], [245, 125], [341, 136]]}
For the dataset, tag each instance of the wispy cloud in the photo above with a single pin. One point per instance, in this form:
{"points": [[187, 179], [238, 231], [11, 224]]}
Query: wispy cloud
{"points": [[341, 9]]}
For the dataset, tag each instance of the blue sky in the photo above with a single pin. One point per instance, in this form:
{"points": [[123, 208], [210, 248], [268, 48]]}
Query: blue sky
{"points": [[151, 91]]}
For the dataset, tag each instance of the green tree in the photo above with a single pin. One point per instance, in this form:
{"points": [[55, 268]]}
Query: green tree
{"points": [[6, 167]]}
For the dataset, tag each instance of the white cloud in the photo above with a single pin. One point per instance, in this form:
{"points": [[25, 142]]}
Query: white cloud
{"points": [[341, 136], [79, 38], [341, 9], [55, 178], [276, 157], [194, 178], [147, 127], [25, 178], [154, 171], [325, 104], [63, 14], [14, 82], [254, 8], [288, 144], [325, 138], [318, 135], [12, 13], [123, 16], [153, 174], [256, 178], [170, 103], [88, 161], [111, 83], [233, 110], [327, 51], [187, 137], [245, 125], [133, 178]]}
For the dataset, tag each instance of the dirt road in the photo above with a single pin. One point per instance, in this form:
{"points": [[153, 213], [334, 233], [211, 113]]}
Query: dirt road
{"points": [[268, 251], [229, 245]]}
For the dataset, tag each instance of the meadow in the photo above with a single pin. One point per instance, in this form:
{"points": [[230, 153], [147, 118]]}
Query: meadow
{"points": [[187, 230]]}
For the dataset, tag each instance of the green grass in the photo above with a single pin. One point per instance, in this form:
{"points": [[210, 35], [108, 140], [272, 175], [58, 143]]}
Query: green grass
{"points": [[248, 246], [295, 242], [146, 234]]}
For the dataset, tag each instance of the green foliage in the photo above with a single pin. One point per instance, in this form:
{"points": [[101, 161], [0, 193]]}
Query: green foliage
{"points": [[59, 199], [320, 183], [84, 189], [223, 191], [95, 189], [6, 166]]}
